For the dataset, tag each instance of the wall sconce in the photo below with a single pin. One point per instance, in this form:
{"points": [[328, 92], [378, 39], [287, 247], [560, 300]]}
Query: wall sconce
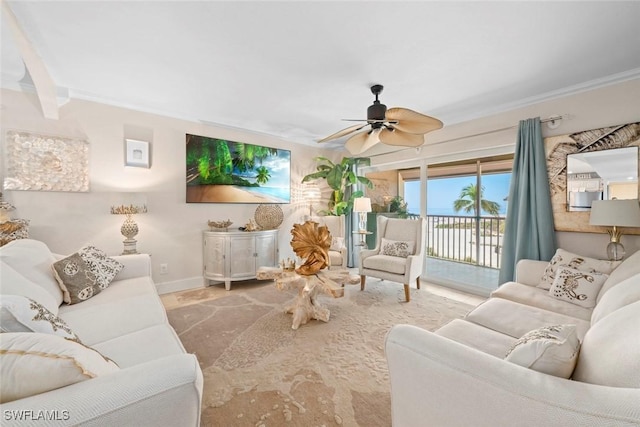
{"points": [[130, 204], [362, 205], [311, 194], [615, 213]]}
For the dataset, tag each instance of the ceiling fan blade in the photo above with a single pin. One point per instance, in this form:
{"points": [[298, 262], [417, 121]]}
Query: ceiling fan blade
{"points": [[343, 132], [412, 122], [397, 137], [362, 141]]}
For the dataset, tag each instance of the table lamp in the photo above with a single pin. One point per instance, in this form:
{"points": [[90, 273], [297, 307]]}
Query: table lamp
{"points": [[615, 213], [5, 208], [362, 205], [311, 194], [130, 204]]}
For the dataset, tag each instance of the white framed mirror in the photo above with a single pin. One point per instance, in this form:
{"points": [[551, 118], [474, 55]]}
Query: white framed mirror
{"points": [[601, 175]]}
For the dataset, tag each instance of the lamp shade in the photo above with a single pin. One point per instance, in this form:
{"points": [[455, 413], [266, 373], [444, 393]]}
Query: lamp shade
{"points": [[311, 193], [362, 204], [619, 213], [128, 204]]}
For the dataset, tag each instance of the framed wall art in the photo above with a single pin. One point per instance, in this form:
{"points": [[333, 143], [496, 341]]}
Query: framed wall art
{"points": [[46, 163], [136, 153], [222, 171]]}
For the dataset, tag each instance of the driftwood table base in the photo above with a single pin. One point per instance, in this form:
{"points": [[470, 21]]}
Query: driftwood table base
{"points": [[306, 306]]}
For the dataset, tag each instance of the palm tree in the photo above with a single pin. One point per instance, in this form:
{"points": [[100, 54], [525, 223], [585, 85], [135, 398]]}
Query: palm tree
{"points": [[263, 175], [467, 201]]}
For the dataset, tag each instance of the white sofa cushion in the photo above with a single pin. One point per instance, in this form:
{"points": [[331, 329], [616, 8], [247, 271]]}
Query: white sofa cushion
{"points": [[391, 264], [629, 267], [579, 262], [34, 363], [538, 297], [32, 259], [623, 293], [516, 319], [14, 283], [130, 305], [478, 337], [551, 350], [145, 345], [577, 286], [610, 353], [22, 314], [335, 258]]}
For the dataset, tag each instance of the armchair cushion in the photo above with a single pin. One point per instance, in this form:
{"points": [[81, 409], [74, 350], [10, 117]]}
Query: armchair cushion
{"points": [[397, 248], [337, 243], [388, 263]]}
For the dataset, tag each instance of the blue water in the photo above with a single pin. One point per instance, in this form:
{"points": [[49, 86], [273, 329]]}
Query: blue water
{"points": [[277, 194]]}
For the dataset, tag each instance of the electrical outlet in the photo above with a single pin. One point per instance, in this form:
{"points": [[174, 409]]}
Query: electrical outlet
{"points": [[164, 268]]}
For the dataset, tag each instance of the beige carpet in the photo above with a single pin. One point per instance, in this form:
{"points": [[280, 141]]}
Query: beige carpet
{"points": [[260, 372]]}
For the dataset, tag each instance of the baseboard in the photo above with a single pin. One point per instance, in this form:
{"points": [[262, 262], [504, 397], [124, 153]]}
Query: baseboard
{"points": [[457, 286], [180, 285]]}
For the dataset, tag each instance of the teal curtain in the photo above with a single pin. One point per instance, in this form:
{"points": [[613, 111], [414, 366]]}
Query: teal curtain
{"points": [[529, 231]]}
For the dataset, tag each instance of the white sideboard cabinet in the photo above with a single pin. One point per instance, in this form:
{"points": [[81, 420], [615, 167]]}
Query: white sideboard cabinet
{"points": [[237, 255]]}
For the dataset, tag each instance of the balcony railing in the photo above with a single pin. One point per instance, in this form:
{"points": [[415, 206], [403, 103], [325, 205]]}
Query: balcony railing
{"points": [[471, 240]]}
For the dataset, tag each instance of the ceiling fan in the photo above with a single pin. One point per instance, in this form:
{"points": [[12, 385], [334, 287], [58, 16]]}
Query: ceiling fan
{"points": [[393, 126]]}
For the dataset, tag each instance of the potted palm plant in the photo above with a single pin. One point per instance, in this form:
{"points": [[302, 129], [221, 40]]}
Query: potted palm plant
{"points": [[339, 177]]}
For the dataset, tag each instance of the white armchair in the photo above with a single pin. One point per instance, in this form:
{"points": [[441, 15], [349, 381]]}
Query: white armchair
{"points": [[338, 250], [401, 257]]}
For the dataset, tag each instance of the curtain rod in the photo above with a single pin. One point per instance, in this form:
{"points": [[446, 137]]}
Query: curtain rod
{"points": [[551, 120]]}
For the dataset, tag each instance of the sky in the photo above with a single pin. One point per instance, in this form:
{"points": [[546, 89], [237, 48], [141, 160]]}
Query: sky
{"points": [[441, 193]]}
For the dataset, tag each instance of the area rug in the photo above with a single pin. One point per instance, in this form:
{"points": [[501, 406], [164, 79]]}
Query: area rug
{"points": [[260, 372]]}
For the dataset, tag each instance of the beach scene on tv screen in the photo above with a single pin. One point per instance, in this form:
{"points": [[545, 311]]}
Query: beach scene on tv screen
{"points": [[222, 171]]}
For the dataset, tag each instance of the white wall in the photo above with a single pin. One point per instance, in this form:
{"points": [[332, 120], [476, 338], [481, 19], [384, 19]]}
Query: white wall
{"points": [[605, 106], [171, 230]]}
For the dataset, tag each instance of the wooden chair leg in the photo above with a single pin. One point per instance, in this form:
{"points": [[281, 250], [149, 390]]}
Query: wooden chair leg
{"points": [[363, 279], [407, 295], [418, 282]]}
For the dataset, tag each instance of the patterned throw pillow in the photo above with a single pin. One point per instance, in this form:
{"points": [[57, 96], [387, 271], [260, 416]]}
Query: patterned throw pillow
{"points": [[396, 248], [568, 259], [577, 287], [104, 268], [22, 314], [85, 273], [33, 363], [337, 244], [551, 350], [75, 278]]}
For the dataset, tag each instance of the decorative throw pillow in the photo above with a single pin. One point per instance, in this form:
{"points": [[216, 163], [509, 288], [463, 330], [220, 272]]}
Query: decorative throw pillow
{"points": [[577, 287], [396, 248], [33, 363], [568, 259], [551, 350], [22, 314], [337, 244], [103, 267], [75, 278]]}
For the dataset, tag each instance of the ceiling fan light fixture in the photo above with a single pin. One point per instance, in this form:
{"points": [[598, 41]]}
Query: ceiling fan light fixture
{"points": [[393, 126]]}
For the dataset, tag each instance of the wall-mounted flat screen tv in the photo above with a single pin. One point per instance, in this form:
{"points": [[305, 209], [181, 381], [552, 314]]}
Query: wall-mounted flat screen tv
{"points": [[222, 171]]}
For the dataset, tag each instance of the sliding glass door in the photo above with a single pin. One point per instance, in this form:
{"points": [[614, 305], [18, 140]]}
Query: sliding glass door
{"points": [[466, 208]]}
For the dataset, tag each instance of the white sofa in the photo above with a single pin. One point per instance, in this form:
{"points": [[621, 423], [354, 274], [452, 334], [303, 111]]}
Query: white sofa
{"points": [[158, 383], [457, 375]]}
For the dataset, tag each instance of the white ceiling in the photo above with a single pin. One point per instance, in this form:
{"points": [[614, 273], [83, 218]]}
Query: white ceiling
{"points": [[295, 69]]}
